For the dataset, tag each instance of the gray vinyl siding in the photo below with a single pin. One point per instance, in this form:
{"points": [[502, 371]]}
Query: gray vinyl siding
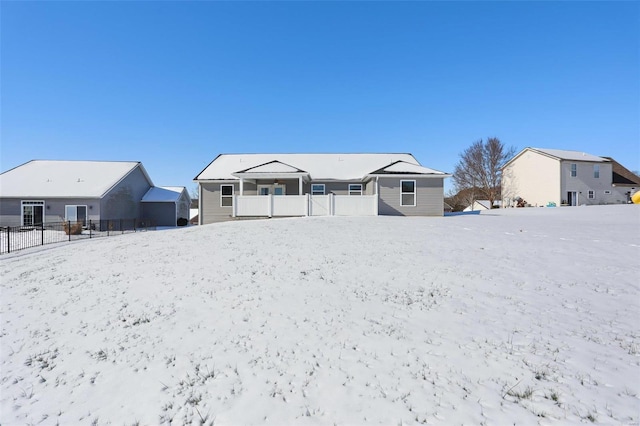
{"points": [[162, 213], [331, 187], [54, 209], [585, 182], [10, 212], [210, 209], [291, 186], [183, 206], [429, 197], [123, 200]]}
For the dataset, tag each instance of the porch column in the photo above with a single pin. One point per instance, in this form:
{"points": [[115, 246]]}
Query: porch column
{"points": [[376, 199], [241, 186], [300, 185]]}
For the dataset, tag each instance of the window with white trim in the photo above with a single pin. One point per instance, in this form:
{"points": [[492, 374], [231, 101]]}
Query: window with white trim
{"points": [[591, 194], [407, 192], [596, 171], [355, 189], [317, 189], [226, 195], [574, 170]]}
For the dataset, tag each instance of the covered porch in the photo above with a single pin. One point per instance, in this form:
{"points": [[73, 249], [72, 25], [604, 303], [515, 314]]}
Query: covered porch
{"points": [[276, 189]]}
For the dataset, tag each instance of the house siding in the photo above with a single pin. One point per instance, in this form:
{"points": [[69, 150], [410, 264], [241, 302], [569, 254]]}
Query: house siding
{"points": [[584, 181], [533, 177], [429, 197], [210, 209], [291, 186], [184, 205], [10, 212], [162, 213], [619, 194], [332, 187], [54, 209], [123, 200]]}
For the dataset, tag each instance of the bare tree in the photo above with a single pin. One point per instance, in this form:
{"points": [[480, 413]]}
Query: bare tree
{"points": [[479, 168]]}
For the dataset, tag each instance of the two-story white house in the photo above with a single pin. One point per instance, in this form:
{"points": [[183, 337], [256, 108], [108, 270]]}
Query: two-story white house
{"points": [[553, 177]]}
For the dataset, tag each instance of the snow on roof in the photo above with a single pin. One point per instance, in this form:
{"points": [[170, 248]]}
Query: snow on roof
{"points": [[59, 178], [163, 194], [319, 166], [272, 167], [570, 155], [402, 167]]}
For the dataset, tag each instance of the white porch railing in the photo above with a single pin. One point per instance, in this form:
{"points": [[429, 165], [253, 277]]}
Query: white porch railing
{"points": [[305, 205]]}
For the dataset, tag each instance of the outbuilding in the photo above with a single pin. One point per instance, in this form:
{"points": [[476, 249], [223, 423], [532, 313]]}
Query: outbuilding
{"points": [[167, 205]]}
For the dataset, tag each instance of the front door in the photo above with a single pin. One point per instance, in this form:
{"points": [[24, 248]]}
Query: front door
{"points": [[572, 198]]}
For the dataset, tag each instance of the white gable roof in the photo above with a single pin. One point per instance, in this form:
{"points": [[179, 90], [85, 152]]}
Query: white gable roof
{"points": [[272, 167], [570, 155], [68, 179], [319, 166], [163, 194], [402, 167]]}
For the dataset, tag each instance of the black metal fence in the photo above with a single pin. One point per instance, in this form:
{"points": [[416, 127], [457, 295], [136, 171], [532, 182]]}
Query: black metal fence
{"points": [[14, 238]]}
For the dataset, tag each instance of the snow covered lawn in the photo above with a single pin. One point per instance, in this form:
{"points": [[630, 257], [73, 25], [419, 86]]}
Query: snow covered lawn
{"points": [[519, 316]]}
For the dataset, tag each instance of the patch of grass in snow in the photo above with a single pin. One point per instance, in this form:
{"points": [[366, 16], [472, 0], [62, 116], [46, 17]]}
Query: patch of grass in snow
{"points": [[100, 355], [420, 297], [42, 360], [554, 396], [592, 417], [527, 393]]}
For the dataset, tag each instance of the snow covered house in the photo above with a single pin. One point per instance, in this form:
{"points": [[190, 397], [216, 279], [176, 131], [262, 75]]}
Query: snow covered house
{"points": [[269, 185], [553, 177], [44, 191], [166, 205]]}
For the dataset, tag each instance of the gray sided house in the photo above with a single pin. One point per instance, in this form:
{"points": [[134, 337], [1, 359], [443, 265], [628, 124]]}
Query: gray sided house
{"points": [[166, 205], [44, 191], [272, 185]]}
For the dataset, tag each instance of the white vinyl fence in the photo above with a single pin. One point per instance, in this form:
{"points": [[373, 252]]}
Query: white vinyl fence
{"points": [[304, 205]]}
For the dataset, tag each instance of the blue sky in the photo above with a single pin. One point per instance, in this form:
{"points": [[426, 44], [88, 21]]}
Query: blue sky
{"points": [[174, 84]]}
